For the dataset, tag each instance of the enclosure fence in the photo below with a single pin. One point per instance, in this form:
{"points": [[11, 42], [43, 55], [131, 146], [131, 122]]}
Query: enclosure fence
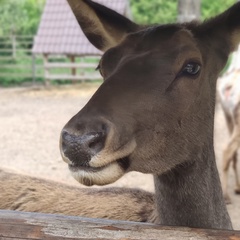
{"points": [[16, 59], [19, 64]]}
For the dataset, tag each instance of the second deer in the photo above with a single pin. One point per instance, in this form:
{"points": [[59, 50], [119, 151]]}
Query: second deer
{"points": [[228, 91]]}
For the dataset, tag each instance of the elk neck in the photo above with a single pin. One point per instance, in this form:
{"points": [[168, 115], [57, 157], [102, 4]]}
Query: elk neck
{"points": [[191, 195]]}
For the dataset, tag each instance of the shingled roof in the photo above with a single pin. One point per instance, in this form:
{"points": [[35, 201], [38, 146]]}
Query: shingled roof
{"points": [[59, 32]]}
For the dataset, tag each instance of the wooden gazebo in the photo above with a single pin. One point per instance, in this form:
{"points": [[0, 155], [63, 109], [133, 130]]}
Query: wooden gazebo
{"points": [[60, 35]]}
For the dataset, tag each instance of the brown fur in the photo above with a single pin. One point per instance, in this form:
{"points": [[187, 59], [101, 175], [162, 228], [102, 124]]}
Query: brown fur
{"points": [[154, 112], [24, 193]]}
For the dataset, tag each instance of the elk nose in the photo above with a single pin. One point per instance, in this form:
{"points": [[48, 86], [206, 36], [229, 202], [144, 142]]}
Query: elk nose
{"points": [[80, 148]]}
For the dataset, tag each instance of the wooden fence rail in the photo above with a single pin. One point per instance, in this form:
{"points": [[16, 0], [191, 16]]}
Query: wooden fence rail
{"points": [[20, 225], [13, 44], [18, 61], [73, 66]]}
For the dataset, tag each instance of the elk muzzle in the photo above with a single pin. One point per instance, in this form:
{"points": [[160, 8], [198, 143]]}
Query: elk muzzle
{"points": [[78, 147], [93, 151]]}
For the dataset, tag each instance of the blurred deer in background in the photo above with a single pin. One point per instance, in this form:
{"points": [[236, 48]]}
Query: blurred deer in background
{"points": [[229, 93]]}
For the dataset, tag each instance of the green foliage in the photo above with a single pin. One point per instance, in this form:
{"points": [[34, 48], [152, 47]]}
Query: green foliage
{"points": [[15, 75], [162, 11], [154, 11], [20, 17], [212, 8]]}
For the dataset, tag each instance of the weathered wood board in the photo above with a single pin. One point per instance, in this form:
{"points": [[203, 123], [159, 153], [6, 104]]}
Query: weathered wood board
{"points": [[20, 225]]}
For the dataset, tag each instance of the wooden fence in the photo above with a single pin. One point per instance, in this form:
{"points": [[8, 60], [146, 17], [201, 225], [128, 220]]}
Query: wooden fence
{"points": [[20, 225], [10, 45], [17, 61], [79, 68]]}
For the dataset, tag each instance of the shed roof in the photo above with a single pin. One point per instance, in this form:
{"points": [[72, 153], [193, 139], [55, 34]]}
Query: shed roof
{"points": [[59, 32]]}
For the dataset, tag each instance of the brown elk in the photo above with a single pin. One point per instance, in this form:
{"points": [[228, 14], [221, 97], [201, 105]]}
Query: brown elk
{"points": [[154, 112], [228, 91]]}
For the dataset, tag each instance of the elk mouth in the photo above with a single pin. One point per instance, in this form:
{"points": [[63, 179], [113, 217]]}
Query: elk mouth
{"points": [[103, 168], [75, 168], [122, 162], [103, 175]]}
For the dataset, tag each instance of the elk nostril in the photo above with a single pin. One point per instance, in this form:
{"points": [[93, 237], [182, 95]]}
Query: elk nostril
{"points": [[64, 140], [96, 143], [65, 136], [80, 146], [92, 144]]}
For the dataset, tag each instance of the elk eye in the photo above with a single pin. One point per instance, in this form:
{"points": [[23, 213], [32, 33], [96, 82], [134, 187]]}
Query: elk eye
{"points": [[191, 69], [98, 68]]}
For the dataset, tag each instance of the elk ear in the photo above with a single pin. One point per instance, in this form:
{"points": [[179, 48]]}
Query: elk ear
{"points": [[103, 27], [224, 29]]}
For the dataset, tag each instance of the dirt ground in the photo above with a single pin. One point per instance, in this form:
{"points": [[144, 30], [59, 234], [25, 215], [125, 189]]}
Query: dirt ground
{"points": [[30, 123]]}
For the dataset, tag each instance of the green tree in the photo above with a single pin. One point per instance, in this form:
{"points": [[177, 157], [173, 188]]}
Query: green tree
{"points": [[154, 11], [212, 8], [162, 11], [20, 17]]}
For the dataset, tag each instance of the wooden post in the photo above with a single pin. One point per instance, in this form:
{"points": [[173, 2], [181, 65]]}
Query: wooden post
{"points": [[20, 225], [73, 69], [33, 68], [46, 70], [189, 10], [14, 46], [82, 73], [128, 12]]}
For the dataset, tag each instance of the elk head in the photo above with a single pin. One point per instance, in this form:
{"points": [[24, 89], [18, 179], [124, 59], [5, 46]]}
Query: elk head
{"points": [[155, 107]]}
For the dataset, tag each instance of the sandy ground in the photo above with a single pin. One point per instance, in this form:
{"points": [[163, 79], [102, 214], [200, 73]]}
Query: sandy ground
{"points": [[30, 123]]}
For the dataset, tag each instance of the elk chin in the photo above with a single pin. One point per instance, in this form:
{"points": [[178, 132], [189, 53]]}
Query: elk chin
{"points": [[99, 176]]}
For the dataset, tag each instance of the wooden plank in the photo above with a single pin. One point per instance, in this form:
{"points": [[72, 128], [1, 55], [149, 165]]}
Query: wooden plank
{"points": [[8, 42], [46, 69], [17, 75], [4, 58], [9, 50], [71, 65], [24, 36], [59, 56], [6, 50], [19, 225], [73, 69], [14, 46], [18, 66], [71, 77], [18, 36], [34, 69], [25, 42]]}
